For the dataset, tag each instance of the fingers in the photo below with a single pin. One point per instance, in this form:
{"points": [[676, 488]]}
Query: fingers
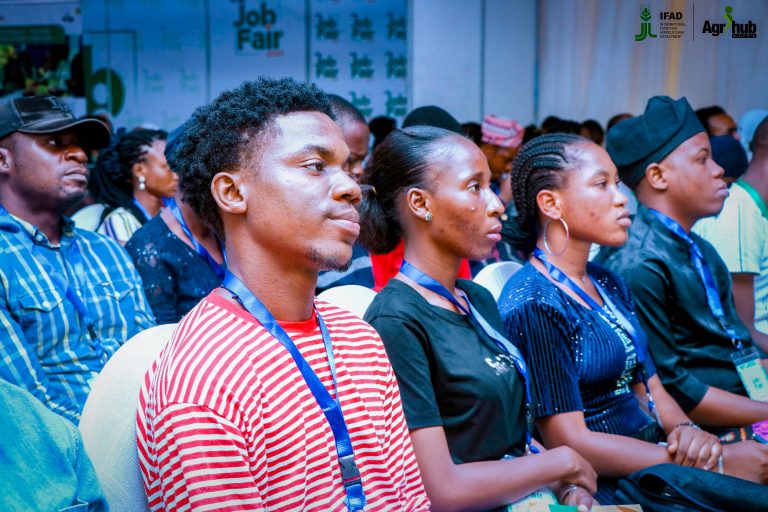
{"points": [[584, 502], [673, 441], [714, 455]]}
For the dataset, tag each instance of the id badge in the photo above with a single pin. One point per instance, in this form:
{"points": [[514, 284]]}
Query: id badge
{"points": [[537, 501], [752, 373]]}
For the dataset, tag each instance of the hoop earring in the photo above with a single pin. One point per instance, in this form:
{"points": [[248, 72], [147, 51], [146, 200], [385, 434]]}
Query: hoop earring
{"points": [[567, 238], [142, 183], [428, 217]]}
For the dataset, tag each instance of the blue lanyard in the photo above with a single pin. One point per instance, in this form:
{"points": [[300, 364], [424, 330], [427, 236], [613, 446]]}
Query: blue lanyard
{"points": [[700, 264], [47, 261], [217, 267], [477, 319], [143, 210], [330, 406], [629, 324]]}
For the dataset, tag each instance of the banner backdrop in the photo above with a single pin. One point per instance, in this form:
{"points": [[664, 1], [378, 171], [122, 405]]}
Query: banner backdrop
{"points": [[358, 50], [250, 38]]}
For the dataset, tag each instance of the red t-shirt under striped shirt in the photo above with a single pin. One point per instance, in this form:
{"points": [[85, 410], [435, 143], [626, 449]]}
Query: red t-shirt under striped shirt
{"points": [[226, 421]]}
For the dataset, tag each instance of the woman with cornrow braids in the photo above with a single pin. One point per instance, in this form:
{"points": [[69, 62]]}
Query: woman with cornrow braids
{"points": [[597, 388], [464, 386], [131, 180]]}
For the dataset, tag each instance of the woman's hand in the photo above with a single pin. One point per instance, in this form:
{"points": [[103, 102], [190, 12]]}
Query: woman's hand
{"points": [[691, 446], [578, 471], [579, 497]]}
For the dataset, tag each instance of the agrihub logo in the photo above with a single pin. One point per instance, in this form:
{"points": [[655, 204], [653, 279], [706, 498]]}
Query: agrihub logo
{"points": [[738, 30]]}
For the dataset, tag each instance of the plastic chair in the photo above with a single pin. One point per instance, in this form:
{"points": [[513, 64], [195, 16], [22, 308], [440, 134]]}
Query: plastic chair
{"points": [[108, 422], [89, 216], [495, 276], [352, 297]]}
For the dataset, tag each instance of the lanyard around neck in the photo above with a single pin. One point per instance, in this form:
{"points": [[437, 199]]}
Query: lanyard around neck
{"points": [[330, 406], [628, 323], [47, 260], [481, 323], [144, 211], [705, 274], [217, 267]]}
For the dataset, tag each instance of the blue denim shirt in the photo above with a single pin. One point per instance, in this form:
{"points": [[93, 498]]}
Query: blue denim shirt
{"points": [[45, 346], [44, 465]]}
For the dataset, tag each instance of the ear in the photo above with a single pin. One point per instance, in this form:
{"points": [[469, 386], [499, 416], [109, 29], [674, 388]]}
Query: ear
{"points": [[6, 160], [230, 192], [418, 202], [550, 203], [655, 175], [137, 170]]}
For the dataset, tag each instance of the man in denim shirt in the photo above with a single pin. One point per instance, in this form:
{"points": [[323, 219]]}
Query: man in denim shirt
{"points": [[68, 297]]}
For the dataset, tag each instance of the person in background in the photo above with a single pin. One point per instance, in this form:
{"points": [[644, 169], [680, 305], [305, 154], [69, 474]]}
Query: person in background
{"points": [[131, 179], [681, 287], [716, 121], [728, 153], [739, 233], [179, 259], [69, 298], [45, 465], [380, 127], [356, 136], [592, 130], [747, 126], [575, 322], [616, 120]]}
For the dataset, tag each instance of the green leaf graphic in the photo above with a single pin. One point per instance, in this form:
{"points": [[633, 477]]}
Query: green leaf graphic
{"points": [[645, 15]]}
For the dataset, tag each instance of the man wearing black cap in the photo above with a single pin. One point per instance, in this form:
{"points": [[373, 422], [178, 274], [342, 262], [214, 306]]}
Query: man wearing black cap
{"points": [[68, 297], [681, 286]]}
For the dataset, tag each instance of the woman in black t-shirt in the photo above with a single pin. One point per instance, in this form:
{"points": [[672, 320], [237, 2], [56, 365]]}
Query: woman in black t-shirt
{"points": [[462, 390]]}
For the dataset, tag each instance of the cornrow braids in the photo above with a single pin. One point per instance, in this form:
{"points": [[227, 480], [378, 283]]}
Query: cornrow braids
{"points": [[110, 183], [538, 166], [400, 162]]}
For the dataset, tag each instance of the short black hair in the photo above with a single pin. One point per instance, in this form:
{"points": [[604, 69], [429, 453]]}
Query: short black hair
{"points": [[593, 131], [218, 134], [345, 111], [540, 165], [705, 113]]}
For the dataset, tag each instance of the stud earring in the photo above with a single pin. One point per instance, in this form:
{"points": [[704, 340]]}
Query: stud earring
{"points": [[428, 217], [142, 183]]}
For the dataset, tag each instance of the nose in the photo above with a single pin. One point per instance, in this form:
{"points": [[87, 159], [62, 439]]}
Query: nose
{"points": [[344, 188], [77, 153], [495, 207], [620, 198], [719, 171]]}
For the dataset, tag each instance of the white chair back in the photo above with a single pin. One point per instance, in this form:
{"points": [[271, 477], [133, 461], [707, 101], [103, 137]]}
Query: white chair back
{"points": [[108, 422], [88, 217], [495, 276], [352, 297]]}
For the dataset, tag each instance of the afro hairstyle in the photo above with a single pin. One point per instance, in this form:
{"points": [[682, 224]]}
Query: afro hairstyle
{"points": [[220, 136]]}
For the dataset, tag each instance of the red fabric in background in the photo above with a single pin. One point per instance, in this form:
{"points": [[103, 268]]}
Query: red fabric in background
{"points": [[386, 266]]}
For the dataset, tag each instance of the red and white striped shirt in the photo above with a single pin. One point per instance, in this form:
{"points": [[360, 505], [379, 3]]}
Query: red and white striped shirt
{"points": [[227, 422]]}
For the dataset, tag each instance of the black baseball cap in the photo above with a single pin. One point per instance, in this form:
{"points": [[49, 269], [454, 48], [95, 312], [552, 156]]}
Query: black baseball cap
{"points": [[49, 114]]}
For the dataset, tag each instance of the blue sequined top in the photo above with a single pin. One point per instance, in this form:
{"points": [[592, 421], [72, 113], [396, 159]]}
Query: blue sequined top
{"points": [[580, 359]]}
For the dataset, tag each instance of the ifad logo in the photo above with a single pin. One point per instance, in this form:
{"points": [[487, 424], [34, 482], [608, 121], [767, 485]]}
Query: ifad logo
{"points": [[738, 30], [645, 26]]}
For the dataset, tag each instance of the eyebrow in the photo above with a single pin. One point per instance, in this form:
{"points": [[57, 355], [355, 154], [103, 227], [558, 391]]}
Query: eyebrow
{"points": [[601, 172], [323, 151]]}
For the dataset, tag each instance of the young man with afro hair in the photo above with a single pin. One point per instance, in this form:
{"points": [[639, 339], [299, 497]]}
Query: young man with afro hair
{"points": [[230, 415]]}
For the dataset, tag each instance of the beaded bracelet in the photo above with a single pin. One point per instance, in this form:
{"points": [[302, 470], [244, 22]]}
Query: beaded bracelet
{"points": [[688, 424]]}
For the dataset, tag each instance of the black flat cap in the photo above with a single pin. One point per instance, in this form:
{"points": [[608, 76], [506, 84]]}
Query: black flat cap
{"points": [[49, 114], [640, 141]]}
